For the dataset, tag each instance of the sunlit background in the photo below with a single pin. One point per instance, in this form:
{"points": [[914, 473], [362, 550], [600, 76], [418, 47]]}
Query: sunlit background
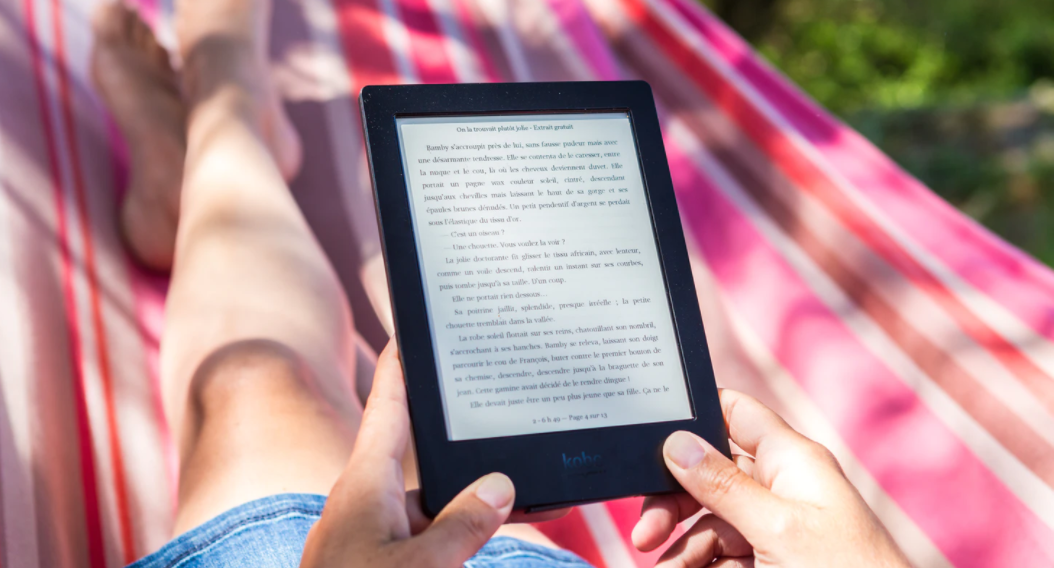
{"points": [[959, 92]]}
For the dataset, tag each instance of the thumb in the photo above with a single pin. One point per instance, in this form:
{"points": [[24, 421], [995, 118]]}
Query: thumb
{"points": [[468, 522], [720, 486]]}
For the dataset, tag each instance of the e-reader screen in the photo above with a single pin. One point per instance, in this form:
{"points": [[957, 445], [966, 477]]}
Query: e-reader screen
{"points": [[546, 299]]}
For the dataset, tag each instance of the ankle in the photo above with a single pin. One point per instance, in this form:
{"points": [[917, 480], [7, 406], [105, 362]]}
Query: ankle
{"points": [[222, 79], [221, 63]]}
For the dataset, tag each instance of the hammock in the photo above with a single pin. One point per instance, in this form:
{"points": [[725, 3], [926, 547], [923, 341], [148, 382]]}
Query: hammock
{"points": [[836, 288]]}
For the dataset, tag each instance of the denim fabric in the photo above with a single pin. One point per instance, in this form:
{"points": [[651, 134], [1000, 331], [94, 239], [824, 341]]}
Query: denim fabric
{"points": [[505, 552], [270, 533]]}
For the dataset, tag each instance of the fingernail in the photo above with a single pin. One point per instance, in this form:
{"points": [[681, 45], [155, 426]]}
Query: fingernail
{"points": [[496, 490], [684, 449]]}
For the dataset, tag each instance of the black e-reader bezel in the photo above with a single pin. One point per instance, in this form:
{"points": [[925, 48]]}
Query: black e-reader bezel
{"points": [[622, 460]]}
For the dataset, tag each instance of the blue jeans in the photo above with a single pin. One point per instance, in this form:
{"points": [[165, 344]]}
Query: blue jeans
{"points": [[270, 533]]}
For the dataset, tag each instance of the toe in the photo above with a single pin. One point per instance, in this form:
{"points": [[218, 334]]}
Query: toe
{"points": [[109, 22], [145, 42], [123, 30], [128, 18], [140, 32]]}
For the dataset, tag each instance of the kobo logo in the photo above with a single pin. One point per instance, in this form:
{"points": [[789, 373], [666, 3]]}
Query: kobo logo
{"points": [[582, 461]]}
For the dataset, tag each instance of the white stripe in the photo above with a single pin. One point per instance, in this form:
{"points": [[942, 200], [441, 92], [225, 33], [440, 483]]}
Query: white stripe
{"points": [[1021, 481], [1034, 346], [17, 380], [497, 11], [606, 536], [463, 58], [398, 39], [610, 16]]}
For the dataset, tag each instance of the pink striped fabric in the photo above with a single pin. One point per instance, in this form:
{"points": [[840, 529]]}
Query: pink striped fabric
{"points": [[835, 287]]}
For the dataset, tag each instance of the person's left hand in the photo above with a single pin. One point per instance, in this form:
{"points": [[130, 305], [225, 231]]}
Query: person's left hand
{"points": [[369, 520]]}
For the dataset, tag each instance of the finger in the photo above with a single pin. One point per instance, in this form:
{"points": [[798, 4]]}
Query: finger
{"points": [[717, 484], [708, 539], [659, 517], [745, 463], [776, 446], [467, 522], [373, 478], [750, 423]]}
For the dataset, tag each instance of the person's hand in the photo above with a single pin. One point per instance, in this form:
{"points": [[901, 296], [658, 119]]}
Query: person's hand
{"points": [[369, 520], [789, 505]]}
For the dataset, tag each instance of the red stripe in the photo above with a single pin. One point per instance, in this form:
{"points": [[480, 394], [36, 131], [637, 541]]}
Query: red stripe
{"points": [[806, 175], [427, 42], [117, 460], [624, 514], [368, 58], [572, 532], [93, 525]]}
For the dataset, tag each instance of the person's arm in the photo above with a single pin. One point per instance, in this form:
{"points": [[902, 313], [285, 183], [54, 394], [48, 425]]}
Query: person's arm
{"points": [[788, 505]]}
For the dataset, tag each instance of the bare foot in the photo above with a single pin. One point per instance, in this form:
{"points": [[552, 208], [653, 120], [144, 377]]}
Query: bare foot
{"points": [[136, 80], [224, 41]]}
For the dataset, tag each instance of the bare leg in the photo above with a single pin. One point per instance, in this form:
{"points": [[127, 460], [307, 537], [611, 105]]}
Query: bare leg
{"points": [[257, 357], [258, 354]]}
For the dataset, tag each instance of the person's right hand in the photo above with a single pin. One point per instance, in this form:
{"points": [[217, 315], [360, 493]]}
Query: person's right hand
{"points": [[789, 505], [370, 521]]}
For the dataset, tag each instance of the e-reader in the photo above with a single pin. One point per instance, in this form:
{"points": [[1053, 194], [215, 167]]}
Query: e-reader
{"points": [[543, 300]]}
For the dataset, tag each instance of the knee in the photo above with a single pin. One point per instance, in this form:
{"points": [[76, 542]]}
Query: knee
{"points": [[245, 372]]}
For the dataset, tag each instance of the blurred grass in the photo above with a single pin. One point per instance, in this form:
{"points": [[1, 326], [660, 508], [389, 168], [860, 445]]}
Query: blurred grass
{"points": [[960, 93]]}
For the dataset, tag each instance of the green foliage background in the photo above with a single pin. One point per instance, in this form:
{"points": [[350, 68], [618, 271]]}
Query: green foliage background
{"points": [[959, 92]]}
